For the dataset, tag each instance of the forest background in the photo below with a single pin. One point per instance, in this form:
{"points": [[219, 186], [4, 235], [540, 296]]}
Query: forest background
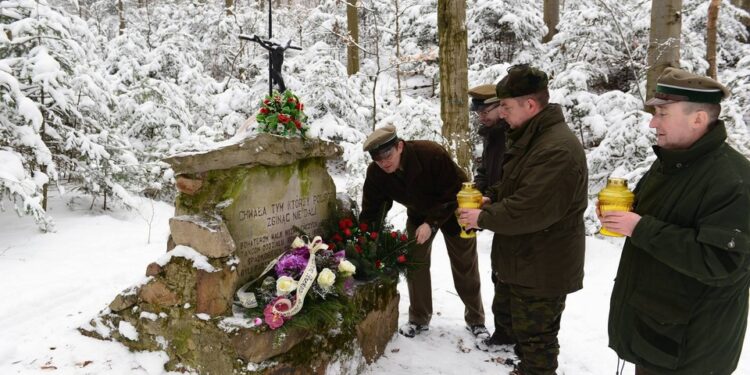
{"points": [[94, 94]]}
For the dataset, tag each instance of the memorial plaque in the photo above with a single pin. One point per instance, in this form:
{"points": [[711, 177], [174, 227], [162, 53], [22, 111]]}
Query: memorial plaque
{"points": [[274, 200]]}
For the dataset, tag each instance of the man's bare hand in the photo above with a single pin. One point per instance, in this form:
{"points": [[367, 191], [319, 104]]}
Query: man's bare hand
{"points": [[423, 233], [468, 217], [622, 222]]}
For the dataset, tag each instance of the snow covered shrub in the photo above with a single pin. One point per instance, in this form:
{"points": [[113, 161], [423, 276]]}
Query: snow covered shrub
{"points": [[503, 31], [605, 40]]}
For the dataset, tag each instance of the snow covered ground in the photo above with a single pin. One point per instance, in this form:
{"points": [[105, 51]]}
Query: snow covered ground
{"points": [[52, 283]]}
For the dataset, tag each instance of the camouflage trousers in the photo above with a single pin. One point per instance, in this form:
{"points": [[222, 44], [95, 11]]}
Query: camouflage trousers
{"points": [[532, 323]]}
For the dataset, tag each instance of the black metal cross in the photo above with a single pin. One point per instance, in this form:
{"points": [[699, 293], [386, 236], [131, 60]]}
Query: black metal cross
{"points": [[275, 54]]}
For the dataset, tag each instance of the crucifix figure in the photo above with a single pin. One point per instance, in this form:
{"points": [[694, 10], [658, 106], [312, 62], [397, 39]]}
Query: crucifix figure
{"points": [[275, 59]]}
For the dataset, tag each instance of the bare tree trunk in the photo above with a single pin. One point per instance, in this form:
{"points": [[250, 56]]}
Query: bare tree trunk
{"points": [[713, 16], [664, 40], [398, 52], [551, 18], [44, 135], [352, 45], [121, 14], [229, 4], [375, 82], [453, 61]]}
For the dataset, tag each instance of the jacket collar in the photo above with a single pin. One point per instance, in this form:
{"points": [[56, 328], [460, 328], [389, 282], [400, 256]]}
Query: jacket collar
{"points": [[673, 160], [520, 138]]}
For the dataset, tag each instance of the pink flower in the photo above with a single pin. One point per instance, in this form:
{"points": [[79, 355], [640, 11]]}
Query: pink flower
{"points": [[273, 319]]}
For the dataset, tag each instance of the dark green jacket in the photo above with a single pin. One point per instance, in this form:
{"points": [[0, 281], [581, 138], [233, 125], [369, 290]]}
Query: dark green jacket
{"points": [[427, 185], [680, 299], [537, 211]]}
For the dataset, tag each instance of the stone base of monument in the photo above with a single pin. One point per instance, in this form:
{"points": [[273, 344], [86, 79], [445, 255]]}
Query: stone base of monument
{"points": [[239, 206], [150, 319]]}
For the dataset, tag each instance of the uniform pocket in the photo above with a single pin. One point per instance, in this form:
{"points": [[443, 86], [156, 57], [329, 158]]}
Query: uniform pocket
{"points": [[659, 329]]}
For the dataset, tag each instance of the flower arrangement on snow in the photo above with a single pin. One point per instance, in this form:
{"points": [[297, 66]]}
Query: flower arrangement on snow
{"points": [[308, 270], [373, 252], [282, 114]]}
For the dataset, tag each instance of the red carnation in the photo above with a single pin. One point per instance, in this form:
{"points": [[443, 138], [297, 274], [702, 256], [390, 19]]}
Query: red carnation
{"points": [[264, 110], [358, 249], [290, 100], [347, 232], [363, 227], [337, 238], [342, 224], [401, 258], [298, 124], [362, 239], [394, 234], [299, 106], [266, 101], [404, 238], [283, 118], [378, 264], [331, 246], [374, 235]]}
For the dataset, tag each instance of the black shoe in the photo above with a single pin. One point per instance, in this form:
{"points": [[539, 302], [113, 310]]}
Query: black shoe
{"points": [[479, 331], [412, 329], [495, 343]]}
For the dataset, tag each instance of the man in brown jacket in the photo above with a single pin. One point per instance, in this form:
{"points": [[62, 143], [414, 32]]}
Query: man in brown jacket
{"points": [[536, 213], [422, 176]]}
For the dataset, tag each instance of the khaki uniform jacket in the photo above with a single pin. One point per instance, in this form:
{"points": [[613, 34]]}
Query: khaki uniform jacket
{"points": [[537, 210], [680, 300], [427, 185]]}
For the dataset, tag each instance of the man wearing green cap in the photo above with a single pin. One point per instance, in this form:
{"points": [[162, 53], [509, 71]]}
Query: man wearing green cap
{"points": [[536, 213], [422, 176], [680, 300]]}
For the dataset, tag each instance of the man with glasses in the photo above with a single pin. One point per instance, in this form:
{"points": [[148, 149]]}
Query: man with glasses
{"points": [[492, 130], [536, 214], [422, 176]]}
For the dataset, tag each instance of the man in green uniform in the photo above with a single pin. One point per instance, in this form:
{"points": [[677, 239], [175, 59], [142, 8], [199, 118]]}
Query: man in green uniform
{"points": [[680, 299], [422, 176], [536, 213]]}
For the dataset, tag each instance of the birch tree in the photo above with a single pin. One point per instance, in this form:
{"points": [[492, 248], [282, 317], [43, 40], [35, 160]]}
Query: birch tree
{"points": [[664, 40]]}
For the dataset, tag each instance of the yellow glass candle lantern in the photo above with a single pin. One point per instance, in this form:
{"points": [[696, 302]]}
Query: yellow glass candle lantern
{"points": [[469, 197], [615, 197]]}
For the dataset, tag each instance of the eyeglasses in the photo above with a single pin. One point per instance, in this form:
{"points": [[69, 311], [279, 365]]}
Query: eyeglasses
{"points": [[489, 109]]}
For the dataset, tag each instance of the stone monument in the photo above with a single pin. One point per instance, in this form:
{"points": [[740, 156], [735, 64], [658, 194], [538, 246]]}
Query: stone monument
{"points": [[240, 206]]}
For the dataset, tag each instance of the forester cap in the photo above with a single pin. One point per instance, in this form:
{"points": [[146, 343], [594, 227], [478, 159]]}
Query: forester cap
{"points": [[677, 85], [478, 96], [521, 80], [381, 139]]}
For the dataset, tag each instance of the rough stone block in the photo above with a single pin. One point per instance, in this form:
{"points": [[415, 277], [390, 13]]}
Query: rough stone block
{"points": [[153, 269], [215, 291], [209, 237], [157, 293], [187, 185]]}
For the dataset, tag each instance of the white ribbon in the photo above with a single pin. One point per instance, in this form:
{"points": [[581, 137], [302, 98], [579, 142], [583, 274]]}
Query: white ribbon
{"points": [[247, 299], [305, 281]]}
